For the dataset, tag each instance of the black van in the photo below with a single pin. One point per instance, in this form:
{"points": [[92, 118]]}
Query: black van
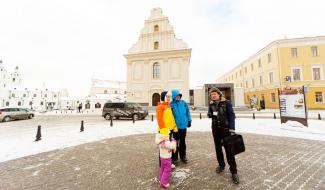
{"points": [[123, 110]]}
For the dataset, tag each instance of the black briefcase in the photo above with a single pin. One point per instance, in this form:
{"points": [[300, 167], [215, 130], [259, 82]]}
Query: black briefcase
{"points": [[234, 144]]}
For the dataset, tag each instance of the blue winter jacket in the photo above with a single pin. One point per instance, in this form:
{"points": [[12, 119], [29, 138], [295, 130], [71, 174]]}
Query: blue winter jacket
{"points": [[181, 111]]}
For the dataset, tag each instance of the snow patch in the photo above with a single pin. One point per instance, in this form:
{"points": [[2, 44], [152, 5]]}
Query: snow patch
{"points": [[32, 166]]}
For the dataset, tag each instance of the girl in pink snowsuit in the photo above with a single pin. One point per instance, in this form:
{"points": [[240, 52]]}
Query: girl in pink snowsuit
{"points": [[166, 147]]}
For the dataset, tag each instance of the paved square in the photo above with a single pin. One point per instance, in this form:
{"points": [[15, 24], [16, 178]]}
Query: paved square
{"points": [[131, 162]]}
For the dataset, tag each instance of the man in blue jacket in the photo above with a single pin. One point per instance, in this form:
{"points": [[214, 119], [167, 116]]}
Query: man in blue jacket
{"points": [[183, 120], [223, 124]]}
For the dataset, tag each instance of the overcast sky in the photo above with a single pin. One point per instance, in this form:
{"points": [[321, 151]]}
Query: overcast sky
{"points": [[63, 43]]}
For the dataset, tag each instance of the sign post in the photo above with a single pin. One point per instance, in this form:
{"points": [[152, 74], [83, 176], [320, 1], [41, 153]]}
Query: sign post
{"points": [[292, 104]]}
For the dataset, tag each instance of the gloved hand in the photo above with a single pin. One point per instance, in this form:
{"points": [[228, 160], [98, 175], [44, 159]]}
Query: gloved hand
{"points": [[232, 132], [189, 124]]}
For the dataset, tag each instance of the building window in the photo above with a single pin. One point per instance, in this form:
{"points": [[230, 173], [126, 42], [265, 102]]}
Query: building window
{"points": [[55, 95], [259, 63], [271, 77], [98, 105], [7, 103], [272, 97], [45, 95], [156, 28], [19, 103], [13, 79], [115, 92], [156, 45], [34, 95], [294, 52], [30, 103], [13, 95], [105, 91], [319, 97], [261, 80], [269, 57], [296, 74], [314, 51], [24, 95], [317, 72], [156, 70], [253, 83], [252, 66], [42, 103]]}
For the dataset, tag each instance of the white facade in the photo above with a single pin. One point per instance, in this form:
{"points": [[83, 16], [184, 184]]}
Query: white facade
{"points": [[13, 94], [157, 62]]}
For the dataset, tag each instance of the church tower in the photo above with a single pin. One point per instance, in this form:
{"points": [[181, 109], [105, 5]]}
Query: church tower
{"points": [[158, 61], [15, 78], [3, 75]]}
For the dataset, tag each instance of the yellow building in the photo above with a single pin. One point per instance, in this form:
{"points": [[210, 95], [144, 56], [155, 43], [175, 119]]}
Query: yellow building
{"points": [[283, 63]]}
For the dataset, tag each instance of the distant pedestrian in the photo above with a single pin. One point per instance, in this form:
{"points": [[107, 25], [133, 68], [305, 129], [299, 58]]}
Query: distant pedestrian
{"points": [[183, 121], [223, 125], [166, 146]]}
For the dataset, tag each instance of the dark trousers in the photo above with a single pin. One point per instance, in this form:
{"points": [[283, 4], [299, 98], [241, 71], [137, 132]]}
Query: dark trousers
{"points": [[181, 144], [218, 135]]}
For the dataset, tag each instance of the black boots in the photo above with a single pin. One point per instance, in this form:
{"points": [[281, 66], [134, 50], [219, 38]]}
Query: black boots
{"points": [[220, 169], [184, 160], [235, 178]]}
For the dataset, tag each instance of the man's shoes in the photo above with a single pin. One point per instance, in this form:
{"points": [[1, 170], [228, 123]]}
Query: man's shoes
{"points": [[175, 162], [220, 169], [235, 178], [184, 160]]}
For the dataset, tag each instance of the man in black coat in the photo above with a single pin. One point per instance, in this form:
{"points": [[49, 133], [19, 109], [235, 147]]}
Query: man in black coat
{"points": [[223, 124]]}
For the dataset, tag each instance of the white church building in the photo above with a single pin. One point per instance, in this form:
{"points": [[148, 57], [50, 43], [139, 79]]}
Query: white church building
{"points": [[14, 94], [158, 61]]}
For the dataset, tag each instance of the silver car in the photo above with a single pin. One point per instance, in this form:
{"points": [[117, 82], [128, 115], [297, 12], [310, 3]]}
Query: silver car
{"points": [[8, 114]]}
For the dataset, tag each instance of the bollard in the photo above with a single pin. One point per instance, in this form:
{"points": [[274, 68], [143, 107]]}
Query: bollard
{"points": [[274, 116], [38, 134], [82, 126], [253, 115], [200, 116], [111, 124], [319, 117], [152, 117]]}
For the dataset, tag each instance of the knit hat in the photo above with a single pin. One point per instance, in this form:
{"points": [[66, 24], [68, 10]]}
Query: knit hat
{"points": [[214, 89], [163, 95]]}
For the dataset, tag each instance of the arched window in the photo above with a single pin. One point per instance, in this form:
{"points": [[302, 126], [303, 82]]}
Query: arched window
{"points": [[156, 45], [156, 70], [156, 28], [98, 105], [30, 103], [105, 91], [13, 79], [35, 95], [7, 103], [13, 95], [19, 103], [42, 103]]}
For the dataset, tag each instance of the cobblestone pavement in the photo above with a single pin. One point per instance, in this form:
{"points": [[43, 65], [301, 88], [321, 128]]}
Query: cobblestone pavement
{"points": [[131, 162]]}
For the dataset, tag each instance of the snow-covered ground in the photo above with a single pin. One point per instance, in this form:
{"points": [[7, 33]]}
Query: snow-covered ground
{"points": [[16, 142]]}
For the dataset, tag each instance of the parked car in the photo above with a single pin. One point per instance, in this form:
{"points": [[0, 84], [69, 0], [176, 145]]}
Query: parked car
{"points": [[123, 110], [8, 114]]}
